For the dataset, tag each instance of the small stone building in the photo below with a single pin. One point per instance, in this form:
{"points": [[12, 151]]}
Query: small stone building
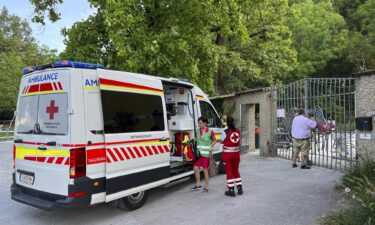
{"points": [[251, 110]]}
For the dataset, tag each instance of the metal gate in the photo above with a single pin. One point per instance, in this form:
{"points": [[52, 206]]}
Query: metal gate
{"points": [[332, 102]]}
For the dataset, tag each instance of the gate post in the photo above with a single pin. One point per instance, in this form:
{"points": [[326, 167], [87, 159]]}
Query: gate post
{"points": [[306, 94]]}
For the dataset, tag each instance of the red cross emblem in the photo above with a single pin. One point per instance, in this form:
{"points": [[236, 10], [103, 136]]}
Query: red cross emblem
{"points": [[52, 109], [234, 137]]}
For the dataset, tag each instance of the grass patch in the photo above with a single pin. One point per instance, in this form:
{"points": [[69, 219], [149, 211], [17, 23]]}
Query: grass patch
{"points": [[358, 186]]}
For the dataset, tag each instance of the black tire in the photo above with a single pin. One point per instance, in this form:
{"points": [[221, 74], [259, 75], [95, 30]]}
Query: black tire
{"points": [[134, 201]]}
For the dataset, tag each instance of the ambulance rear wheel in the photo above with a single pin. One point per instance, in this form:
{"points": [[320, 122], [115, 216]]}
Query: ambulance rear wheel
{"points": [[134, 201]]}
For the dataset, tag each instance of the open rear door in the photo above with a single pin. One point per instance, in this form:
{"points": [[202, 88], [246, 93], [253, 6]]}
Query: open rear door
{"points": [[135, 128]]}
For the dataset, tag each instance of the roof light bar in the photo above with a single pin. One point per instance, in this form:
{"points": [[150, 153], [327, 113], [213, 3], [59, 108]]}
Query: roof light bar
{"points": [[65, 63]]}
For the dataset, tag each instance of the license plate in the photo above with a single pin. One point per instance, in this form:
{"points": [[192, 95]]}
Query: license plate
{"points": [[26, 179]]}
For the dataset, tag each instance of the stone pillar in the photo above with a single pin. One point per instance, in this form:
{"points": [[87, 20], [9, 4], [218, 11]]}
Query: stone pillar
{"points": [[365, 106]]}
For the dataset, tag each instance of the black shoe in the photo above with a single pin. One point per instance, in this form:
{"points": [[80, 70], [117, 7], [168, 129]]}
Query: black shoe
{"points": [[239, 189], [305, 167], [294, 165], [230, 192], [195, 188]]}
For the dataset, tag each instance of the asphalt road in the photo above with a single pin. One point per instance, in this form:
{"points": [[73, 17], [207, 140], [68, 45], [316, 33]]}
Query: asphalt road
{"points": [[274, 193]]}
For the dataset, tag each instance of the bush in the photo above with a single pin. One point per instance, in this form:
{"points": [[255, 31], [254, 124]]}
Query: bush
{"points": [[357, 184]]}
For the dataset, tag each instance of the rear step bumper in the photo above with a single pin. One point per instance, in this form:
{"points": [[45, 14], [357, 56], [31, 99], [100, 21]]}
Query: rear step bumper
{"points": [[19, 195], [48, 201]]}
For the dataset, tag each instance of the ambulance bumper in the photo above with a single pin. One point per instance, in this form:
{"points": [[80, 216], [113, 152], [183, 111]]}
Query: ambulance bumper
{"points": [[47, 201], [20, 194]]}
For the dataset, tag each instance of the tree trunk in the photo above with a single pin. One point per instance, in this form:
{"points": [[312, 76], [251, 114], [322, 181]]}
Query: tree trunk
{"points": [[219, 87]]}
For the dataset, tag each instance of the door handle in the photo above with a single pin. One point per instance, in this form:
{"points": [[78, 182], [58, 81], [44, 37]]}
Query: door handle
{"points": [[42, 148], [18, 141], [51, 143], [163, 139]]}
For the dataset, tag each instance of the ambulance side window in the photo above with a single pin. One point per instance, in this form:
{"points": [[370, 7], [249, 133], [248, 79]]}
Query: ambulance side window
{"points": [[209, 113], [130, 112]]}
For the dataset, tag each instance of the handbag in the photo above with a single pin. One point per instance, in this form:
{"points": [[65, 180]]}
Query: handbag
{"points": [[192, 152], [195, 151], [221, 167]]}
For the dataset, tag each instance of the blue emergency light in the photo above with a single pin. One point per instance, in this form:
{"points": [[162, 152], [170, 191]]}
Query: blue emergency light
{"points": [[63, 63]]}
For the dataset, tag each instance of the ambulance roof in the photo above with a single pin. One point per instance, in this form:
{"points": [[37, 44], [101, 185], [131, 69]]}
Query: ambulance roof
{"points": [[84, 65]]}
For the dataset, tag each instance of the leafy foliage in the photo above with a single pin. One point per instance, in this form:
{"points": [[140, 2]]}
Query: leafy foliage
{"points": [[222, 46], [319, 35], [18, 49], [45, 6], [360, 47], [358, 184], [88, 41]]}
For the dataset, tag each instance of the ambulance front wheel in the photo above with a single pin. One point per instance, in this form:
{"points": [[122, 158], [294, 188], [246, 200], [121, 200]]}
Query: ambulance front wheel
{"points": [[134, 201]]}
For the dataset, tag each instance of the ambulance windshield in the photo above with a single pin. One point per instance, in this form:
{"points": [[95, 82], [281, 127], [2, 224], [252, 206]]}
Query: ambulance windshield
{"points": [[43, 114]]}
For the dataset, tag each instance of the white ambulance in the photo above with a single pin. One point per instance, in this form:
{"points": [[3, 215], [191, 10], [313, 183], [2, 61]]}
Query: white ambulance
{"points": [[86, 135]]}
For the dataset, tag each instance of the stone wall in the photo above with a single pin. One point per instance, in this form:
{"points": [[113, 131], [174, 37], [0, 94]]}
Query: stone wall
{"points": [[365, 106]]}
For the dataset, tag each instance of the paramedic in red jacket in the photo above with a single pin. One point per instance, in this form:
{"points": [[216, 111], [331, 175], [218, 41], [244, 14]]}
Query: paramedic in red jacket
{"points": [[231, 157]]}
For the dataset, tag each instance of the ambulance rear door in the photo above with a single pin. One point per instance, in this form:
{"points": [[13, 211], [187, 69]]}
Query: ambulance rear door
{"points": [[42, 128], [135, 131]]}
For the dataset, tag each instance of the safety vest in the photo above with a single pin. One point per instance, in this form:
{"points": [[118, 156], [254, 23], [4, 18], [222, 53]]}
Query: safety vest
{"points": [[204, 142], [232, 141]]}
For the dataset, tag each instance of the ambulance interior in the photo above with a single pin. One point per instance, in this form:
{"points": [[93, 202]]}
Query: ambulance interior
{"points": [[181, 118]]}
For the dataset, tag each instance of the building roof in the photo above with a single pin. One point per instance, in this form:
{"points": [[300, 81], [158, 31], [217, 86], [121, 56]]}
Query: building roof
{"points": [[364, 73], [264, 89]]}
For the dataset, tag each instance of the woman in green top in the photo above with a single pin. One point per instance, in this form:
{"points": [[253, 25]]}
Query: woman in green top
{"points": [[205, 138]]}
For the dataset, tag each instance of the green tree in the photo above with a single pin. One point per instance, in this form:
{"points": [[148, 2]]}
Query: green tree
{"points": [[245, 44], [363, 42], [88, 41], [18, 49], [319, 35]]}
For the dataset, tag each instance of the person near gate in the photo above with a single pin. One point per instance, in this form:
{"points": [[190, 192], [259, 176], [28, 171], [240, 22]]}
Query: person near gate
{"points": [[230, 138], [205, 139], [301, 133]]}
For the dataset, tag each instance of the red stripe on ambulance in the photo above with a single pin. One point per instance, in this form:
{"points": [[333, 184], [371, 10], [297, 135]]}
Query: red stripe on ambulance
{"points": [[54, 86], [120, 154], [45, 87], [126, 85], [125, 153], [149, 150], [109, 151], [50, 159]]}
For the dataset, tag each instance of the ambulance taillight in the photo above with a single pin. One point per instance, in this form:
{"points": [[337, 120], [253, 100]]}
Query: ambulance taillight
{"points": [[77, 162], [14, 156]]}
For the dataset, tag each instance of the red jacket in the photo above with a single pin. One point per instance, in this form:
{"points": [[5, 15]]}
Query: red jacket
{"points": [[232, 141]]}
